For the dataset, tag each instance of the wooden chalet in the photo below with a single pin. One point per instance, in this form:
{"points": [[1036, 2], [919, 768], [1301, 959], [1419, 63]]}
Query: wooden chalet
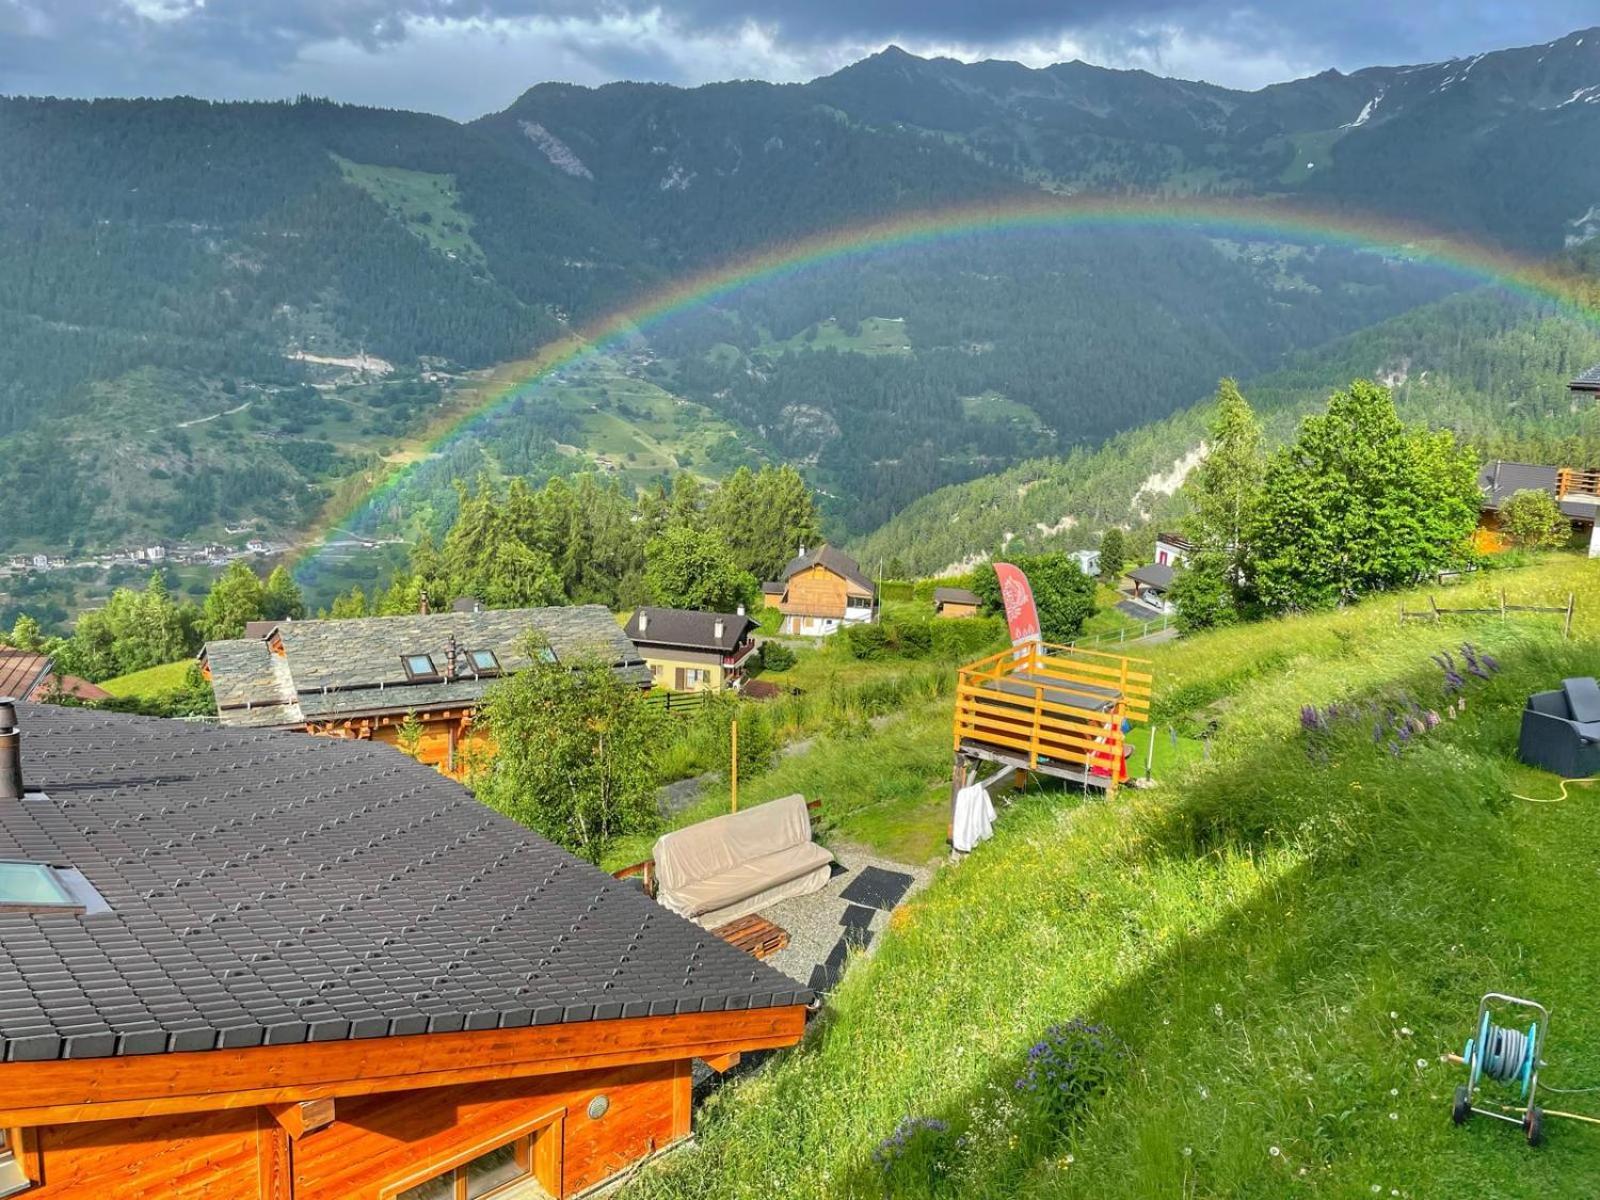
{"points": [[955, 602], [248, 963], [1575, 491], [1586, 383], [30, 676], [823, 591], [363, 677], [693, 651]]}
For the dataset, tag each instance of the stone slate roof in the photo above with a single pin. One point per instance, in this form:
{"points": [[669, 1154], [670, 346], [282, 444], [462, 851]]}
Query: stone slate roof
{"points": [[271, 888], [344, 668], [1588, 381], [955, 595], [1501, 480], [1154, 575], [689, 630], [836, 561], [772, 587]]}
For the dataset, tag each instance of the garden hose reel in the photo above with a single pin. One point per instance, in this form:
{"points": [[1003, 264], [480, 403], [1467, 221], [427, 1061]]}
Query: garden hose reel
{"points": [[1506, 1058]]}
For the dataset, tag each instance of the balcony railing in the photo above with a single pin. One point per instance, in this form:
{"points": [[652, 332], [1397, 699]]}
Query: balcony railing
{"points": [[1571, 481]]}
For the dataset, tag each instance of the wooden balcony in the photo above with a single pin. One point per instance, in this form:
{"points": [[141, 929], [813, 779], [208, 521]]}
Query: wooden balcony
{"points": [[1570, 481], [1056, 710]]}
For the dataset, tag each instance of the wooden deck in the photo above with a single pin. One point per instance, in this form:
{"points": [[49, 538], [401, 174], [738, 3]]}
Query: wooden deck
{"points": [[1054, 710]]}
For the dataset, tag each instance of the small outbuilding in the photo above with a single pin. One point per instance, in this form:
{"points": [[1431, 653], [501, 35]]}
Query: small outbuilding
{"points": [[955, 602]]}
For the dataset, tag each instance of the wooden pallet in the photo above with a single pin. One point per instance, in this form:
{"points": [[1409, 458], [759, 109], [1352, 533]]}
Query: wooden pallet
{"points": [[754, 935]]}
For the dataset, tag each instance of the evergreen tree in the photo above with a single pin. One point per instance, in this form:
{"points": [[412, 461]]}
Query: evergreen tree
{"points": [[1223, 493], [1113, 553]]}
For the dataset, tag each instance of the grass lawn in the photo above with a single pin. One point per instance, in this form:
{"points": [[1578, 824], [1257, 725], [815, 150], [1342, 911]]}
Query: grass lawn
{"points": [[1286, 935], [151, 681]]}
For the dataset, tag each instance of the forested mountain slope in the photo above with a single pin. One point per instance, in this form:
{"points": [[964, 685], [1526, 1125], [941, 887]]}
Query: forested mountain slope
{"points": [[166, 265], [1481, 364]]}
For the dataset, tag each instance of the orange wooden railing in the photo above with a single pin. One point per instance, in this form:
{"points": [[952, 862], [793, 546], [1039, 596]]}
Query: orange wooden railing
{"points": [[1570, 480], [1025, 722]]}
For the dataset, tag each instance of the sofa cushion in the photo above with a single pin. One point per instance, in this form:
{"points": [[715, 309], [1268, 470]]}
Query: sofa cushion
{"points": [[710, 848], [1583, 698], [744, 881]]}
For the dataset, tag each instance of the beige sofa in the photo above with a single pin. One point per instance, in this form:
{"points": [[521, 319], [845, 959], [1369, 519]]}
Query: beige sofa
{"points": [[730, 866]]}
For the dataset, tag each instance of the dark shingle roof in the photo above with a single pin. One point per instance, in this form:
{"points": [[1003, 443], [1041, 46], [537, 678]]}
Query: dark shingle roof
{"points": [[1501, 480], [689, 630], [21, 671], [1588, 381], [955, 595], [1154, 575], [341, 668], [271, 888], [836, 561], [772, 587]]}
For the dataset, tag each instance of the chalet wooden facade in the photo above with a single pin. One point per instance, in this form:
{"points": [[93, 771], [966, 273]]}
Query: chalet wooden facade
{"points": [[1575, 491], [245, 963], [955, 602], [823, 591], [693, 651], [365, 678]]}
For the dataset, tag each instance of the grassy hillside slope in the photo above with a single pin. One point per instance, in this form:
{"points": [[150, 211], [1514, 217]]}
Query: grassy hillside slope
{"points": [[1488, 367], [1285, 936]]}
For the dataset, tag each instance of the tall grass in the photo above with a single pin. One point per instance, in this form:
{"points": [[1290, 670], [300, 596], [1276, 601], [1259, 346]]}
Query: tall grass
{"points": [[1287, 936]]}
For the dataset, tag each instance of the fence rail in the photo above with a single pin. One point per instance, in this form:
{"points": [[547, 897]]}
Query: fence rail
{"points": [[677, 702], [1124, 635], [1503, 611]]}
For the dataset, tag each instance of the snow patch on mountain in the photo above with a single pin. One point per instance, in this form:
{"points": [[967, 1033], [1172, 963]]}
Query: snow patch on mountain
{"points": [[1365, 114]]}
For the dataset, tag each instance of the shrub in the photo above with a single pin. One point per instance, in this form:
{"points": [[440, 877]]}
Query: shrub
{"points": [[775, 656], [1069, 1066], [868, 642], [1530, 518]]}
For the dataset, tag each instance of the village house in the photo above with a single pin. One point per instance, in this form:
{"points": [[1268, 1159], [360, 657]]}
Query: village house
{"points": [[242, 963], [824, 590], [392, 678], [772, 593], [1088, 561], [1151, 583], [1587, 383], [25, 675], [1576, 493], [955, 602], [693, 651]]}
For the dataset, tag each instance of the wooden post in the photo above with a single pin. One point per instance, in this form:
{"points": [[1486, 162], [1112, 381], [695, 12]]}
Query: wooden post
{"points": [[1566, 629], [1150, 753], [733, 771], [1502, 604], [1434, 604]]}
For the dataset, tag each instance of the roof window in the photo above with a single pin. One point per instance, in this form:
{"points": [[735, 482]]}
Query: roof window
{"points": [[546, 655], [420, 667], [484, 662], [34, 887]]}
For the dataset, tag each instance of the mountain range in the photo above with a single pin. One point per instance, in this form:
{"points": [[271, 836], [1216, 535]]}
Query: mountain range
{"points": [[218, 315]]}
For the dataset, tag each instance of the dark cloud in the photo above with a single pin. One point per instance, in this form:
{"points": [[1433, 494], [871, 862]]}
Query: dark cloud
{"points": [[461, 56]]}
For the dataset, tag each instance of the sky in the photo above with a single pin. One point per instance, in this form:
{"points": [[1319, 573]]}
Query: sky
{"points": [[462, 58]]}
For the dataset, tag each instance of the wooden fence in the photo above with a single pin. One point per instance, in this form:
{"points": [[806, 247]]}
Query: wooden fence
{"points": [[1505, 610], [677, 703]]}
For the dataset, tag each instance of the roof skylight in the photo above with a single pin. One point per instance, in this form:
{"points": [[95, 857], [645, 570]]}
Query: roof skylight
{"points": [[31, 887], [419, 666]]}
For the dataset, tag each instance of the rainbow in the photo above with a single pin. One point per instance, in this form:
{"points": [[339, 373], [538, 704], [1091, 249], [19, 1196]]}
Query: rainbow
{"points": [[1540, 281]]}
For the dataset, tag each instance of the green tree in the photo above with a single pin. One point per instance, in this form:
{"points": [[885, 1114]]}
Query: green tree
{"points": [[1359, 503], [695, 569], [1223, 492], [26, 634], [349, 604], [764, 516], [135, 630], [1063, 594], [577, 754], [235, 598], [1113, 553], [1531, 518], [281, 599]]}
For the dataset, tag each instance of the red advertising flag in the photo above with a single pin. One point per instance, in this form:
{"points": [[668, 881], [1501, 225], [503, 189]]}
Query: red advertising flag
{"points": [[1021, 615]]}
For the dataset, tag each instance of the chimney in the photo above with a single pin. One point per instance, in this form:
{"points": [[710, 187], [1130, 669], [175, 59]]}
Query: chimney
{"points": [[740, 610], [802, 549], [716, 629], [644, 621], [422, 603], [10, 751]]}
